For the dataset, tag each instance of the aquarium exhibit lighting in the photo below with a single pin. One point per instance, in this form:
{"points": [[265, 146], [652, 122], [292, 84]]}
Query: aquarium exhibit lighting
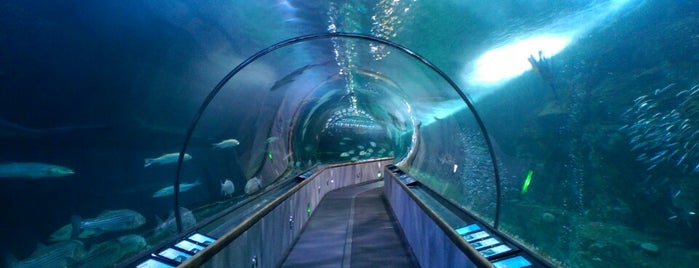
{"points": [[510, 59]]}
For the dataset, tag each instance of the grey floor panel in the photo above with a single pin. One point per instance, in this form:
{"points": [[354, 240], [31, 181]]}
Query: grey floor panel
{"points": [[352, 227]]}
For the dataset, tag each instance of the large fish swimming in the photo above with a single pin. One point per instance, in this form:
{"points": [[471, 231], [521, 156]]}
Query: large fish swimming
{"points": [[253, 185], [169, 226], [109, 221], [107, 254], [227, 188], [61, 254], [166, 159], [13, 130], [291, 77], [170, 190], [65, 233], [33, 170], [226, 144]]}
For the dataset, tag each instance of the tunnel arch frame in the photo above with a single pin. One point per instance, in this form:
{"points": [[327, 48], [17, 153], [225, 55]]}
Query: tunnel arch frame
{"points": [[304, 38]]}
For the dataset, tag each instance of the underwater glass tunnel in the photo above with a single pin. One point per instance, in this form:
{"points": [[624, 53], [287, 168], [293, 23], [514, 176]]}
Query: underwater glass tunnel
{"points": [[568, 129]]}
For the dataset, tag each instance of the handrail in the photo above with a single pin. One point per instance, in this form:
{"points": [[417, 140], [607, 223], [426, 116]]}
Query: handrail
{"points": [[223, 241], [209, 98], [453, 206], [459, 242]]}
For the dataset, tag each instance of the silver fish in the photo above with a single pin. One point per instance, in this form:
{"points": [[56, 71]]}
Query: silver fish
{"points": [[226, 144], [33, 170], [109, 221], [66, 232], [61, 254], [227, 188], [253, 185], [170, 190], [166, 159], [169, 226], [106, 254]]}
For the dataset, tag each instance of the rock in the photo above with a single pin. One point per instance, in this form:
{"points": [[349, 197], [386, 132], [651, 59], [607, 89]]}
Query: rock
{"points": [[547, 217], [650, 248]]}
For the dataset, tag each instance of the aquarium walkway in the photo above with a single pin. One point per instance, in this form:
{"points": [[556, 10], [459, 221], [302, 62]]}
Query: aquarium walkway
{"points": [[352, 227]]}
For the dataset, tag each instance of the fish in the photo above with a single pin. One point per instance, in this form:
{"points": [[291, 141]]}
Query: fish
{"points": [[61, 254], [170, 190], [676, 194], [33, 170], [227, 188], [14, 130], [344, 154], [226, 144], [660, 91], [291, 77], [682, 93], [658, 156], [107, 253], [66, 232], [373, 144], [166, 159], [271, 139], [132, 242], [253, 185], [168, 227], [109, 221]]}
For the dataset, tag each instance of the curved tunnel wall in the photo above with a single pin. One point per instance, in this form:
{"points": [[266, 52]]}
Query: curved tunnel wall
{"points": [[583, 156], [430, 104]]}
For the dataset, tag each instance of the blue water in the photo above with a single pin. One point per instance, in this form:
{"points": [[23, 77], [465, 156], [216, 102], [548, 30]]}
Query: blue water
{"points": [[130, 76]]}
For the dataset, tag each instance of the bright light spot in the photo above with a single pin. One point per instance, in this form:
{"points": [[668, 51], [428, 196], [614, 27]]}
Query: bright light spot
{"points": [[509, 61]]}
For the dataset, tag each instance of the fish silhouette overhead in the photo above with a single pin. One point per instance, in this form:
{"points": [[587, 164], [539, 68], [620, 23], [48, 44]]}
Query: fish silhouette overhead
{"points": [[13, 130]]}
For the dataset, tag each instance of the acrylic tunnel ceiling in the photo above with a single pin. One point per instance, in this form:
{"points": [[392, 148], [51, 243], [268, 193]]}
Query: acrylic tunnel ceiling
{"points": [[141, 69], [139, 53]]}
